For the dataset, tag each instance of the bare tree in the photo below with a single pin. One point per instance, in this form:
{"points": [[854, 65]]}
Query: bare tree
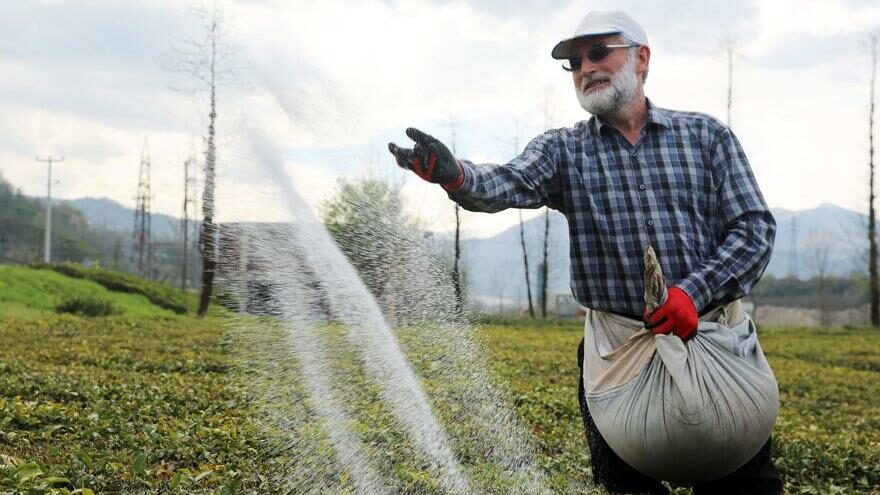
{"points": [[456, 269], [872, 215], [522, 238], [207, 62], [728, 47], [544, 267], [819, 251], [522, 235], [500, 280]]}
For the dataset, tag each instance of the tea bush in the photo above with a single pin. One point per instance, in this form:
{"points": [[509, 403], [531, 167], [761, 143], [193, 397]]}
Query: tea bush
{"points": [[123, 405], [87, 306], [157, 293]]}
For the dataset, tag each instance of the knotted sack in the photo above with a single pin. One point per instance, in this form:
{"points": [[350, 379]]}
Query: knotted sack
{"points": [[685, 412]]}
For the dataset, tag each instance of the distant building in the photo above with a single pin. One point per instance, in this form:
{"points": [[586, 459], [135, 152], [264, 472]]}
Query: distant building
{"points": [[253, 259]]}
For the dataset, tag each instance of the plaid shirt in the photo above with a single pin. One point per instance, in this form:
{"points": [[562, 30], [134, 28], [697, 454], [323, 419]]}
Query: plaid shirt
{"points": [[685, 188]]}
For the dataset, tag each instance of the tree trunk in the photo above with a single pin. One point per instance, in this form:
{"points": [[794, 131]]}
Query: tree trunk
{"points": [[872, 216], [209, 229], [522, 237], [456, 273], [545, 266]]}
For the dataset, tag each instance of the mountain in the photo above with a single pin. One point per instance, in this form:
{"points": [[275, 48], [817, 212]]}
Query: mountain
{"points": [[803, 237], [827, 237], [106, 214]]}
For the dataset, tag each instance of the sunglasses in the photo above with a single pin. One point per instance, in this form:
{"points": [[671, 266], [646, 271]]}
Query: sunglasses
{"points": [[595, 54]]}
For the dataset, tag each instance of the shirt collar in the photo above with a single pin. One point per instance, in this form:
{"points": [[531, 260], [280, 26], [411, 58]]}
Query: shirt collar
{"points": [[656, 116]]}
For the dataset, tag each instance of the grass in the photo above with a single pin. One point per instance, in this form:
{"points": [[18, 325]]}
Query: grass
{"points": [[157, 293], [154, 403], [29, 292]]}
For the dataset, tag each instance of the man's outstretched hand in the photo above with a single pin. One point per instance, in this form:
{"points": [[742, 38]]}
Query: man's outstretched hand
{"points": [[678, 315], [429, 159]]}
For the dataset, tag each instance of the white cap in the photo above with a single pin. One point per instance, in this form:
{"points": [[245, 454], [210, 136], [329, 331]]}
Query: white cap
{"points": [[602, 23]]}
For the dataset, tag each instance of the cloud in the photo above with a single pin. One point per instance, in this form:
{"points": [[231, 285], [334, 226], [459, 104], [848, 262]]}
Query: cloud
{"points": [[95, 33], [333, 81]]}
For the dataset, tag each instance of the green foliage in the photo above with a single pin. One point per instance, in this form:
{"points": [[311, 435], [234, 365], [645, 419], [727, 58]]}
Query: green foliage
{"points": [[22, 227], [123, 405], [152, 405], [157, 293], [87, 306], [29, 292], [366, 220]]}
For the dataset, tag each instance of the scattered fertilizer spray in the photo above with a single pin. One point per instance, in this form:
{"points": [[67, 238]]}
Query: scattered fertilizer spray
{"points": [[326, 345]]}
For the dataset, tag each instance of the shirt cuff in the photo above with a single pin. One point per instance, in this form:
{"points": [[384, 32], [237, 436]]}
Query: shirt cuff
{"points": [[457, 183], [467, 184], [695, 286]]}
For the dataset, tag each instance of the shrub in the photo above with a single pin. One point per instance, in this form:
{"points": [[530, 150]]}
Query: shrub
{"points": [[87, 306]]}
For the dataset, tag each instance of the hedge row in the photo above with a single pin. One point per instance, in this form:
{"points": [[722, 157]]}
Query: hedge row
{"points": [[159, 294]]}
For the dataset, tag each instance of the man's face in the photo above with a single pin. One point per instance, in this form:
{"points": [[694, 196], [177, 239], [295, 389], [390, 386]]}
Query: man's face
{"points": [[609, 84]]}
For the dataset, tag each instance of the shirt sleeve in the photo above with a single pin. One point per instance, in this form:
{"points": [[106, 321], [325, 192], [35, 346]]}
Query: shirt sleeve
{"points": [[530, 180], [747, 228]]}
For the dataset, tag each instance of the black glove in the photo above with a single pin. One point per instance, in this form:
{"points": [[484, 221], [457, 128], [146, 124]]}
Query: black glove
{"points": [[429, 159]]}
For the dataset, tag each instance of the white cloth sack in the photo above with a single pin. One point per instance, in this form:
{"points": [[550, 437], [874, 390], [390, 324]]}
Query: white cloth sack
{"points": [[685, 412]]}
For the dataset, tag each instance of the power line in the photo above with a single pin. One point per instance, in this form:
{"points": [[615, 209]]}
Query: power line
{"points": [[47, 246]]}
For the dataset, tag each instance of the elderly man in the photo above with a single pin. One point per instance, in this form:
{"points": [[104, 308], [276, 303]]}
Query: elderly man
{"points": [[633, 175]]}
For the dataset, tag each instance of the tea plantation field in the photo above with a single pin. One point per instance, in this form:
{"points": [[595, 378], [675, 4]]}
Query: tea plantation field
{"points": [[151, 402]]}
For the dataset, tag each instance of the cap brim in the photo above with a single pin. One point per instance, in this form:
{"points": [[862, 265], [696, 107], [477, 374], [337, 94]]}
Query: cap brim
{"points": [[562, 50]]}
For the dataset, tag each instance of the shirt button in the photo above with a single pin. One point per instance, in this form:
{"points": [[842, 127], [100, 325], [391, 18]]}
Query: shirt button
{"points": [[650, 223], [635, 153], [641, 187]]}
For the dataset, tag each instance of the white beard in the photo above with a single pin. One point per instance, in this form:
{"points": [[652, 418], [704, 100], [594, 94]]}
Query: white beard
{"points": [[612, 98]]}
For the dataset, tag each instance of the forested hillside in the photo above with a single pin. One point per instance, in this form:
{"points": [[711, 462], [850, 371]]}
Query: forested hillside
{"points": [[77, 239], [22, 229]]}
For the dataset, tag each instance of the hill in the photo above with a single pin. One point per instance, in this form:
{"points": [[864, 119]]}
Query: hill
{"points": [[22, 229], [108, 214], [28, 291], [93, 232]]}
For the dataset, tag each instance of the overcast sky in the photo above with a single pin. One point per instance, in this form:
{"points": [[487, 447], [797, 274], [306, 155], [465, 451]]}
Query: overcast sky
{"points": [[331, 82]]}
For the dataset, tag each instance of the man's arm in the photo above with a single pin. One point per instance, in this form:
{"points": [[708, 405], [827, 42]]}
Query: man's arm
{"points": [[748, 230], [528, 181]]}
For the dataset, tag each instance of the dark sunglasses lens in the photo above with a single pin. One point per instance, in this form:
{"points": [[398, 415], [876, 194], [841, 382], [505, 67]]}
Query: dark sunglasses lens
{"points": [[574, 64], [598, 53]]}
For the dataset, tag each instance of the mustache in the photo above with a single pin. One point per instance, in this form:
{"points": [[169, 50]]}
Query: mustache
{"points": [[586, 81]]}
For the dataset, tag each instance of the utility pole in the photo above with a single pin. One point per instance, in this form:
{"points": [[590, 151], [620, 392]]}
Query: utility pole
{"points": [[47, 242], [143, 218]]}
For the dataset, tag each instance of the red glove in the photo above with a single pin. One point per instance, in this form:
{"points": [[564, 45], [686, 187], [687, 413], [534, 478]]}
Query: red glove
{"points": [[678, 315]]}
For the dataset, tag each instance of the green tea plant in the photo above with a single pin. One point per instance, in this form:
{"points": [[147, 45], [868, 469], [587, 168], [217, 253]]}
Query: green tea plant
{"points": [[87, 306]]}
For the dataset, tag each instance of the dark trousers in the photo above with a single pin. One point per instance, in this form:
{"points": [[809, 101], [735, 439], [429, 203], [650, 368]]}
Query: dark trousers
{"points": [[756, 477]]}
